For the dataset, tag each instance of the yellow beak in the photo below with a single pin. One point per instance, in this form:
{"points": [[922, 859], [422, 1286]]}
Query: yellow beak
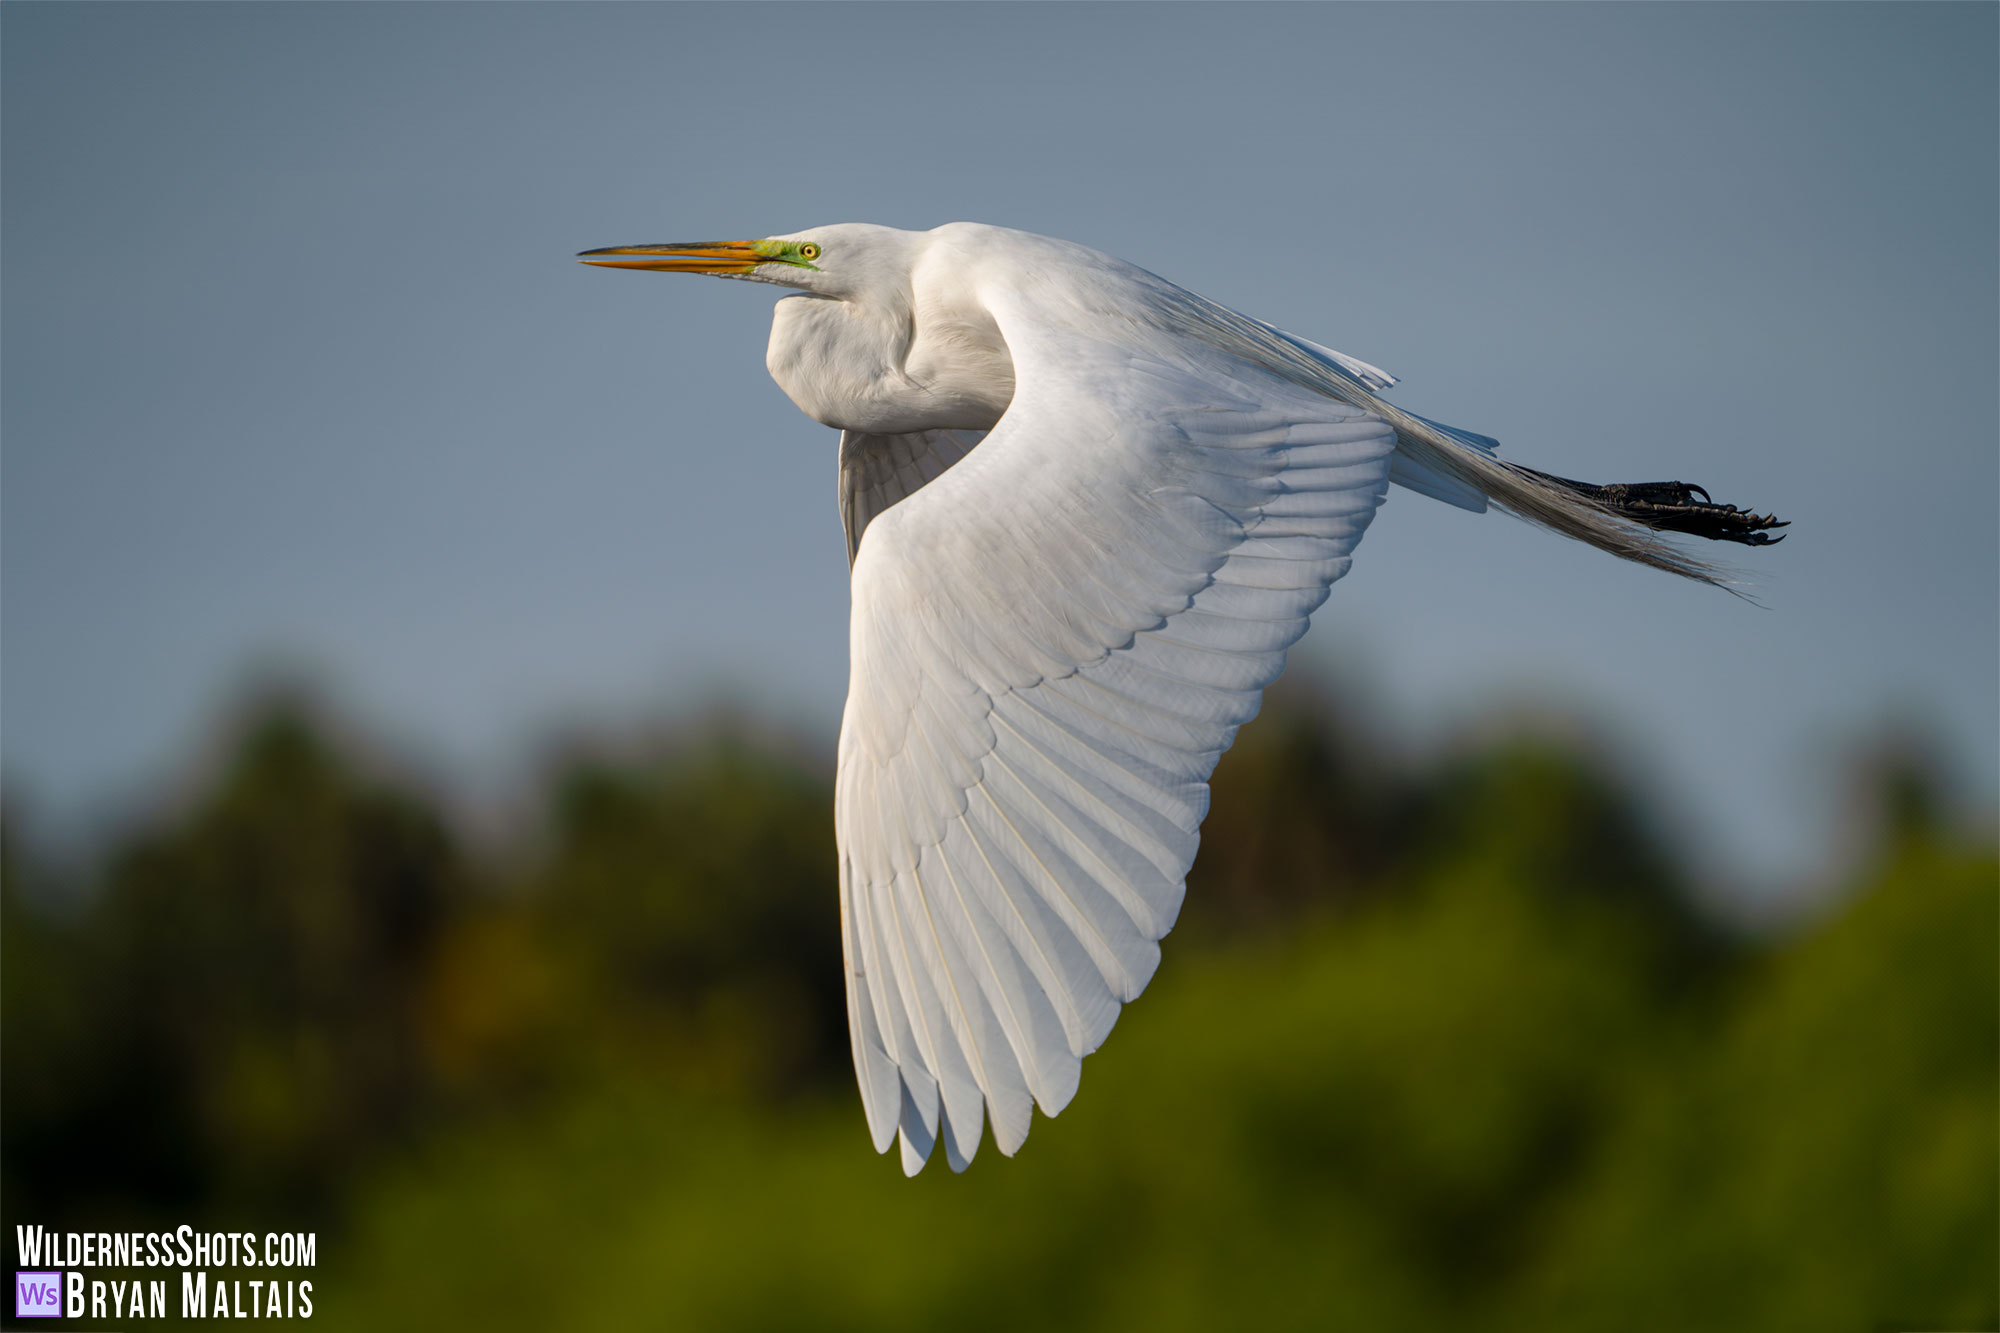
{"points": [[683, 257]]}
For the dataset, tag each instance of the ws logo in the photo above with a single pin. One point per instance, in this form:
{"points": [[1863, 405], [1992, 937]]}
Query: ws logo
{"points": [[37, 1294]]}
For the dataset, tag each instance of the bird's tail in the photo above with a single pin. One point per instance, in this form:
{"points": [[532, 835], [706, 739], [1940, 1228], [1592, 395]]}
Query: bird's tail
{"points": [[1625, 519]]}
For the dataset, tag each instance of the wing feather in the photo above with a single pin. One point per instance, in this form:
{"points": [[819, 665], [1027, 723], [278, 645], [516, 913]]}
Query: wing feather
{"points": [[1055, 637], [877, 471], [874, 1063]]}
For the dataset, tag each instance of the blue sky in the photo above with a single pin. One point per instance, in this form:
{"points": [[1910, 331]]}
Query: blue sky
{"points": [[298, 370]]}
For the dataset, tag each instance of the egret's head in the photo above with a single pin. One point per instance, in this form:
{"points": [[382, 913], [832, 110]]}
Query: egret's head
{"points": [[842, 260]]}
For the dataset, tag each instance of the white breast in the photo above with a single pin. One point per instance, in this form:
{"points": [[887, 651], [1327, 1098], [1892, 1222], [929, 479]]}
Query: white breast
{"points": [[885, 371]]}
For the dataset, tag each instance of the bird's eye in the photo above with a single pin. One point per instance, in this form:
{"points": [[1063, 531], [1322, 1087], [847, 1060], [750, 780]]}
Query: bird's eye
{"points": [[809, 251]]}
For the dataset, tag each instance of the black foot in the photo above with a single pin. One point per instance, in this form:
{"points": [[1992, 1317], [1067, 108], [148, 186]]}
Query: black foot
{"points": [[1671, 506]]}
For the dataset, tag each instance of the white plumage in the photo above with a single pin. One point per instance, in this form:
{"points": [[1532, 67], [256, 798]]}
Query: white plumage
{"points": [[1088, 512]]}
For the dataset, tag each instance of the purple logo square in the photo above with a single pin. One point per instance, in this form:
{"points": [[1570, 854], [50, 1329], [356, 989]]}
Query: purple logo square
{"points": [[37, 1294]]}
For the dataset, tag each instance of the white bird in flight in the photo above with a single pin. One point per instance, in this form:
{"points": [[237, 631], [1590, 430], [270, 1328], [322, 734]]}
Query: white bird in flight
{"points": [[1087, 512]]}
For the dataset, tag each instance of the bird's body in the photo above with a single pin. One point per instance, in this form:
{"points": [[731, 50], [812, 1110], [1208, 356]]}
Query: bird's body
{"points": [[1088, 512]]}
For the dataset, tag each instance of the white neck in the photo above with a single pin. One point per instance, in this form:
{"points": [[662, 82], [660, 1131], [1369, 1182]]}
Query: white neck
{"points": [[889, 364]]}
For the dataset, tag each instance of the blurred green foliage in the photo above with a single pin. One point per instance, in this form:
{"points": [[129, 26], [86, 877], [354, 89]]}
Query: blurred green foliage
{"points": [[1437, 1044]]}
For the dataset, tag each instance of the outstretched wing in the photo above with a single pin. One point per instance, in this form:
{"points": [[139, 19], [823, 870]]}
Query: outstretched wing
{"points": [[1052, 644], [876, 471]]}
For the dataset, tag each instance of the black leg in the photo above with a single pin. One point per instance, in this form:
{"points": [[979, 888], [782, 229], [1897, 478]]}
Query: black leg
{"points": [[1671, 506]]}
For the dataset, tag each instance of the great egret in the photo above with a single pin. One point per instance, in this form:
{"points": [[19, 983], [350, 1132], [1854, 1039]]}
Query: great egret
{"points": [[1087, 512]]}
